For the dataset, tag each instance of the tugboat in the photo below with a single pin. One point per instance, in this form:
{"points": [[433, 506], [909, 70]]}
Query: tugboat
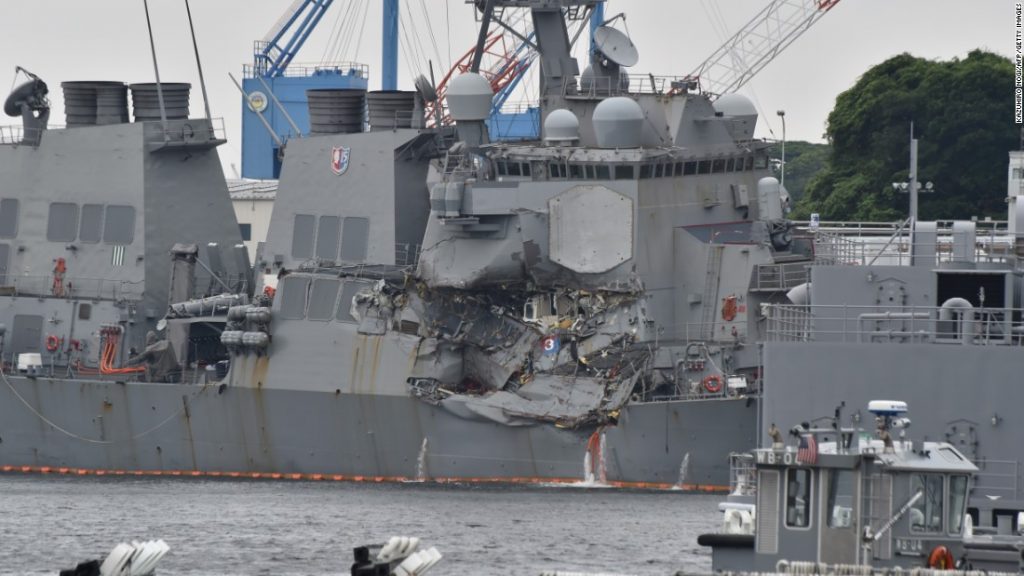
{"points": [[843, 500]]}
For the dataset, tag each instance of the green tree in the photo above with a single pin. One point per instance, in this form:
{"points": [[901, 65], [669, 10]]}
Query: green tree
{"points": [[962, 112], [803, 161]]}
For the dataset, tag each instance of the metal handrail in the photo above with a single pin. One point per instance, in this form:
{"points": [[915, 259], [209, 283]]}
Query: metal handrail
{"points": [[73, 287], [905, 324]]}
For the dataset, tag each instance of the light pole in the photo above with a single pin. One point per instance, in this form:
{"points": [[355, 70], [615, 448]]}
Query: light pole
{"points": [[782, 115]]}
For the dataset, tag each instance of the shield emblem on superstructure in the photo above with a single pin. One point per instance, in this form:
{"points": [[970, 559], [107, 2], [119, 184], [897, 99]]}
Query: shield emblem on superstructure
{"points": [[339, 159]]}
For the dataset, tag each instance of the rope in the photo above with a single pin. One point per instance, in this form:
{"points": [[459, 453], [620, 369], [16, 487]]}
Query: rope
{"points": [[71, 434]]}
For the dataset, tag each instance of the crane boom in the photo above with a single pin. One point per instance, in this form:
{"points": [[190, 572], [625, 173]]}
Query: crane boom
{"points": [[275, 52], [758, 43]]}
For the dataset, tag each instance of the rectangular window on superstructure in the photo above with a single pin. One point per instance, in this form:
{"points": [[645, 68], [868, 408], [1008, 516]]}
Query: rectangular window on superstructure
{"points": [[798, 498], [348, 293], [526, 168], [679, 168], [556, 171], [321, 299], [302, 236], [500, 168], [718, 166], [513, 169], [730, 165], [62, 222], [602, 172], [246, 232], [646, 171], [689, 168], [762, 163], [659, 170], [704, 167], [327, 235], [119, 225], [623, 172], [749, 163], [576, 171], [91, 228], [294, 290], [8, 218], [355, 236]]}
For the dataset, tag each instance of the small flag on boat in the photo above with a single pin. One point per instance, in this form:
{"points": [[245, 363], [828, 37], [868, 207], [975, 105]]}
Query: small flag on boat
{"points": [[807, 453]]}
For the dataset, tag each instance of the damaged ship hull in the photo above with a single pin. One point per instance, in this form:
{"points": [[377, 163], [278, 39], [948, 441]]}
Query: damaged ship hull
{"points": [[110, 427]]}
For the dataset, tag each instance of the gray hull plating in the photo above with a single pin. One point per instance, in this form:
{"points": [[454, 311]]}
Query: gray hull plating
{"points": [[111, 426]]}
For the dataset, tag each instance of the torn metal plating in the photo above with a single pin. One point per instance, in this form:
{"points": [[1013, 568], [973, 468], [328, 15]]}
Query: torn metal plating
{"points": [[567, 357]]}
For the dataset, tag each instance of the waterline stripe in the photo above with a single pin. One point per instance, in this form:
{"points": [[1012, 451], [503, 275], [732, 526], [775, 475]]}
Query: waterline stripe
{"points": [[68, 471]]}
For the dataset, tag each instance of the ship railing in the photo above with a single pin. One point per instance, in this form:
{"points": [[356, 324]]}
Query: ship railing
{"points": [[192, 131], [302, 69], [15, 135], [407, 254], [742, 474], [894, 324], [74, 287], [998, 478], [780, 276], [867, 243], [631, 84]]}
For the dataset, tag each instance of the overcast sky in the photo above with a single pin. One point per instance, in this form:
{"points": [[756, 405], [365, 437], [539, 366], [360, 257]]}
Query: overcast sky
{"points": [[106, 40]]}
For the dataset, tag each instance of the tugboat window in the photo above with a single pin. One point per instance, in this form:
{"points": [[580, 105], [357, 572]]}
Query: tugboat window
{"points": [[798, 498], [957, 501], [730, 165], [603, 172], [840, 499], [704, 167], [513, 169], [526, 169], [679, 168], [659, 171], [623, 172], [645, 171], [576, 171], [718, 166], [926, 513], [689, 168]]}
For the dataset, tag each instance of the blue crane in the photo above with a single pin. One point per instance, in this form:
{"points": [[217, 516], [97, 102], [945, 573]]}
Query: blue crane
{"points": [[273, 68]]}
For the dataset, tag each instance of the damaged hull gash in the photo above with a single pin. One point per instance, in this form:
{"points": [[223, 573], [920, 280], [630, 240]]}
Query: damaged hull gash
{"points": [[430, 305]]}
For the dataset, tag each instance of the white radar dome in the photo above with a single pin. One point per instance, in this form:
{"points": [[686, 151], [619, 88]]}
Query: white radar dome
{"points": [[561, 126], [469, 97], [741, 111], [618, 123], [735, 105]]}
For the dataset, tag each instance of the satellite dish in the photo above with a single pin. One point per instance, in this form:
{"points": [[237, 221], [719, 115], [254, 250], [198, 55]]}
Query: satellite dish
{"points": [[425, 89], [614, 45]]}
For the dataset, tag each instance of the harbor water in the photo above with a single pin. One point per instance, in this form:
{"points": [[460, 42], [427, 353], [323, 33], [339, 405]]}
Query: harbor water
{"points": [[291, 528]]}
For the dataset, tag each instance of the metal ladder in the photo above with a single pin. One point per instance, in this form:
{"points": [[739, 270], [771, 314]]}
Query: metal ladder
{"points": [[709, 300]]}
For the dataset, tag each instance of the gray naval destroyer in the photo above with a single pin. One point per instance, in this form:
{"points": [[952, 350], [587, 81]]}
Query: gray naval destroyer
{"points": [[428, 304]]}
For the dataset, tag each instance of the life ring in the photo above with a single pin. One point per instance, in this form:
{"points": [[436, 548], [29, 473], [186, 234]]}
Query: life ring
{"points": [[941, 559], [52, 343], [713, 383]]}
